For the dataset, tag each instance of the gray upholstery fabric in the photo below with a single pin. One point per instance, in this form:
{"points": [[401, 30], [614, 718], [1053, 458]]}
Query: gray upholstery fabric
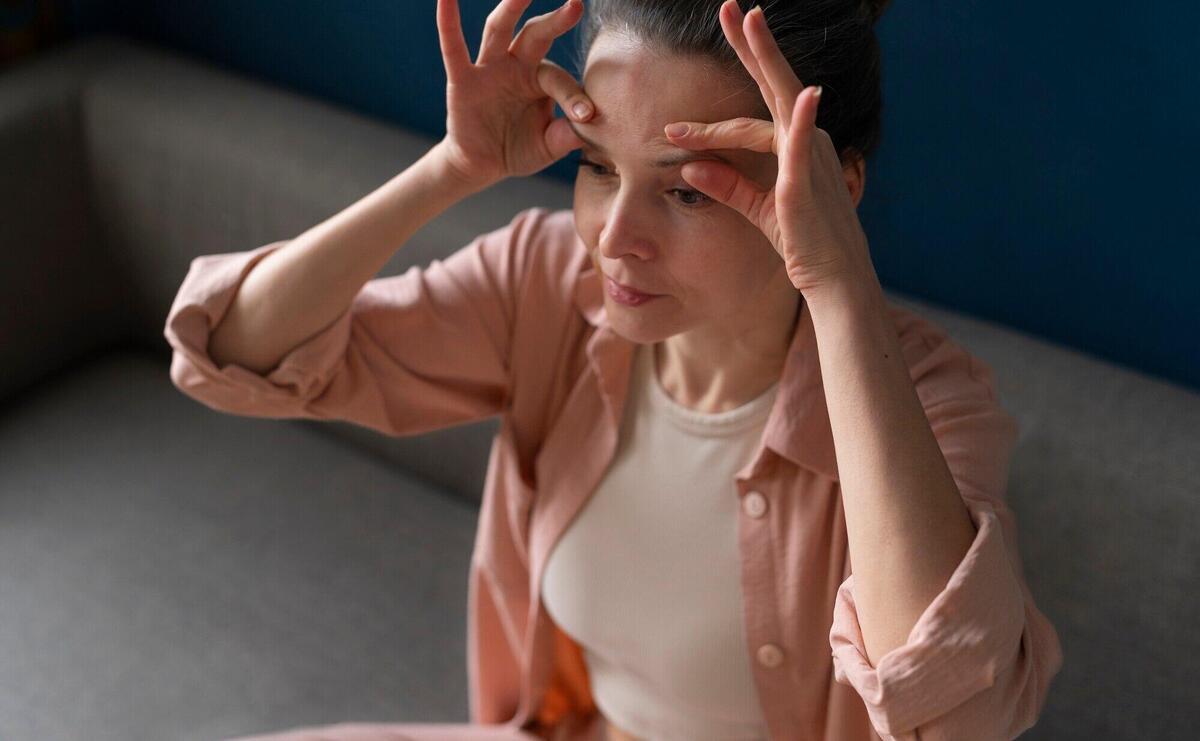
{"points": [[170, 572], [53, 270]]}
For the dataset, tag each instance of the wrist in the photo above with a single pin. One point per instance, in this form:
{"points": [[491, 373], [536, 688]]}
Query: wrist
{"points": [[447, 168], [859, 290]]}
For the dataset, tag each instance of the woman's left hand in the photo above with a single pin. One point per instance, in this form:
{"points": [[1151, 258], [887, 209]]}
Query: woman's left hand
{"points": [[809, 215]]}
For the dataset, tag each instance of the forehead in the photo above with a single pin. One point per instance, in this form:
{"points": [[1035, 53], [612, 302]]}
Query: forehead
{"points": [[638, 90]]}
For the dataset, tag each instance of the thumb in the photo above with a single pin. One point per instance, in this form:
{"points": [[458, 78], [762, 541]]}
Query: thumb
{"points": [[560, 139], [726, 185]]}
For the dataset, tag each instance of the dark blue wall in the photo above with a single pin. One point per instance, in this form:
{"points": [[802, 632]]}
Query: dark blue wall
{"points": [[1036, 167]]}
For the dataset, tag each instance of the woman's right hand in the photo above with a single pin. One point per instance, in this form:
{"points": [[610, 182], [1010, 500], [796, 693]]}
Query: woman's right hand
{"points": [[500, 109]]}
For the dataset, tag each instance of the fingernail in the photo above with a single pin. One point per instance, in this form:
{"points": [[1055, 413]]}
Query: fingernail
{"points": [[678, 129], [581, 110], [817, 92]]}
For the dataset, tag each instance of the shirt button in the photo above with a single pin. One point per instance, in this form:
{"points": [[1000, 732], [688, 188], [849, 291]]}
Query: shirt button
{"points": [[770, 655], [754, 504]]}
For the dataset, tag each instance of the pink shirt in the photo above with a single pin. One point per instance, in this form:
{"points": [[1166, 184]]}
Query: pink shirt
{"points": [[514, 324]]}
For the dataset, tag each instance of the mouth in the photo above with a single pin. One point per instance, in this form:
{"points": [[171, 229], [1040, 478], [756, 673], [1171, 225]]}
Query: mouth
{"points": [[625, 295]]}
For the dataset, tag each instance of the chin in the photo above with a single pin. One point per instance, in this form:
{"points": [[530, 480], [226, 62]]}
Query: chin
{"points": [[626, 322]]}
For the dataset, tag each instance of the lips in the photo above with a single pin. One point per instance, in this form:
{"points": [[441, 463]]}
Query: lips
{"points": [[630, 289], [626, 297]]}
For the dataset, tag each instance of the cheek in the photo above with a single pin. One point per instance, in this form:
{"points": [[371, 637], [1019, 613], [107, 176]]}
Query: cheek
{"points": [[732, 272], [702, 275], [589, 214]]}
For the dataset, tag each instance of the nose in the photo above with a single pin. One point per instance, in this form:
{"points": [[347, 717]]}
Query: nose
{"points": [[627, 229]]}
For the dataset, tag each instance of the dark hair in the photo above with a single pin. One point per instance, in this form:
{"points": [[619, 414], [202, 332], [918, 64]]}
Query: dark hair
{"points": [[827, 42]]}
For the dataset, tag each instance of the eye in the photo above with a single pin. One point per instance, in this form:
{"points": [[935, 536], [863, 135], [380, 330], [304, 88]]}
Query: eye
{"points": [[685, 193], [583, 162], [688, 197]]}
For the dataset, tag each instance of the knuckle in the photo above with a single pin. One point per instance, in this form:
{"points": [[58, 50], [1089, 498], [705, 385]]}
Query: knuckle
{"points": [[493, 17], [558, 78], [746, 122], [731, 193], [537, 23], [548, 77], [544, 24]]}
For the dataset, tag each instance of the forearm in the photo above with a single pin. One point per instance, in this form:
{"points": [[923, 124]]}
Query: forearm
{"points": [[298, 290], [907, 526]]}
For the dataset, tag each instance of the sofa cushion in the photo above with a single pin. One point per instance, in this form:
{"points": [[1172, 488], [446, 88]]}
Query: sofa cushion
{"points": [[171, 572]]}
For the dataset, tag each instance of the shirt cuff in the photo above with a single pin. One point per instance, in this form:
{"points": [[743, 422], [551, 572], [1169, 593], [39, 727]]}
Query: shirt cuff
{"points": [[203, 299], [969, 633]]}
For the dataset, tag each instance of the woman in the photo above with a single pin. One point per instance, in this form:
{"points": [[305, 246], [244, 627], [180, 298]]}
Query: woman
{"points": [[653, 355]]}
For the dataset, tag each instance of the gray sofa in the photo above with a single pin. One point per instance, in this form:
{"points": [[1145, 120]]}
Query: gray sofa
{"points": [[171, 572]]}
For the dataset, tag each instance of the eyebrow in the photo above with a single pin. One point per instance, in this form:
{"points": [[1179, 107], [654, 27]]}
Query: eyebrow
{"points": [[670, 160]]}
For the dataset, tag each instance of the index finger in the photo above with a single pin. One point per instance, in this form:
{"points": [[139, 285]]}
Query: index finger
{"points": [[499, 26], [538, 34]]}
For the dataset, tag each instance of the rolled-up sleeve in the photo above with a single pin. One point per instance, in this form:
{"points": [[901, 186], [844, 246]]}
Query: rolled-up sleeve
{"points": [[978, 662], [414, 352]]}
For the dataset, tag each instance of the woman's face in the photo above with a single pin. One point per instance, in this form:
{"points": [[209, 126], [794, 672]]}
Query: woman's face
{"points": [[642, 223]]}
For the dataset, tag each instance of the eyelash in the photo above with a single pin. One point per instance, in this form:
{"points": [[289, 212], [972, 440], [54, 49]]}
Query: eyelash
{"points": [[584, 162]]}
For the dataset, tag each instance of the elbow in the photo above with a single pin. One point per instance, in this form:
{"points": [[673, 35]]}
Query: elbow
{"points": [[1009, 706]]}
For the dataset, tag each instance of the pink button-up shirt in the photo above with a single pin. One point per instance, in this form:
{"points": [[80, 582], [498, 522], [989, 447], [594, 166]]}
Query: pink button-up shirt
{"points": [[514, 324]]}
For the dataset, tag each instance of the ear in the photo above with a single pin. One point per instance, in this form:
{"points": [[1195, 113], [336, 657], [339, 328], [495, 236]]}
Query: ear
{"points": [[855, 171]]}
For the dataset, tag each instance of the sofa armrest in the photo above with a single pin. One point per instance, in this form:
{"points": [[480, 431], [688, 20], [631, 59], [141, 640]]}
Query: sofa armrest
{"points": [[60, 294]]}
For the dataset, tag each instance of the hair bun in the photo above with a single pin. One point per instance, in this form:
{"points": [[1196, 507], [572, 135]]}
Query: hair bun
{"points": [[875, 8]]}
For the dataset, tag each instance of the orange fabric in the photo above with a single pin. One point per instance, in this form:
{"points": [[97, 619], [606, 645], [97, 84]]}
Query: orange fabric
{"points": [[570, 689]]}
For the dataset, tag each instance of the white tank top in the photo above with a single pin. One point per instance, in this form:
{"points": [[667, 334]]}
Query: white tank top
{"points": [[647, 577]]}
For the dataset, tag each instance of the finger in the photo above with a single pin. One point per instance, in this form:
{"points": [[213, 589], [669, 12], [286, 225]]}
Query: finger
{"points": [[455, 54], [726, 185], [559, 138], [796, 161], [735, 133], [775, 67], [538, 34], [498, 29], [558, 83], [731, 22]]}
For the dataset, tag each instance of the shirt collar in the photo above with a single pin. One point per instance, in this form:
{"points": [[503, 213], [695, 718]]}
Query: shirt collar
{"points": [[798, 426]]}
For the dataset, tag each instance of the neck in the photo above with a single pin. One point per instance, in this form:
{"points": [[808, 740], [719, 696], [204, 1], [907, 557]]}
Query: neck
{"points": [[711, 370]]}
